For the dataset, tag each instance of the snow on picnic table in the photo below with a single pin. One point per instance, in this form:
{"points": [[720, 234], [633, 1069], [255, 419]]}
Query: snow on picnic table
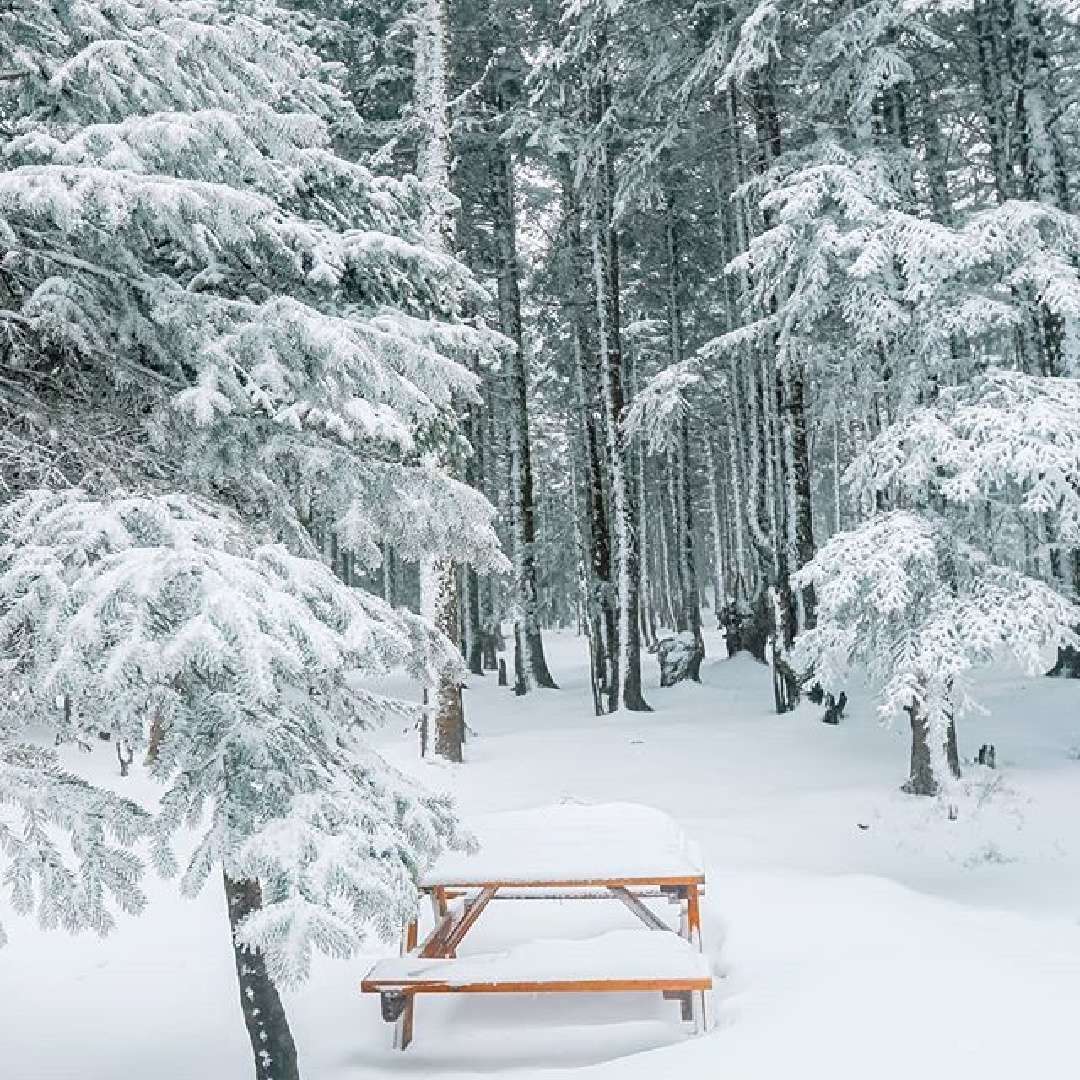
{"points": [[617, 954], [571, 842], [861, 934]]}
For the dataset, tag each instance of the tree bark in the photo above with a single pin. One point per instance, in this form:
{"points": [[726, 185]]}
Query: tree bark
{"points": [[530, 664], [449, 708], [627, 682], [993, 81], [922, 777], [601, 617], [264, 1015], [802, 509]]}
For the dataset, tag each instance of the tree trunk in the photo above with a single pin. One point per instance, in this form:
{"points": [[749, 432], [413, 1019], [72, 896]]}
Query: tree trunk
{"points": [[439, 587], [264, 1015], [627, 680], [993, 81], [802, 501], [439, 602], [530, 664], [472, 605], [689, 600], [1041, 158], [474, 633], [937, 177], [601, 616], [923, 778]]}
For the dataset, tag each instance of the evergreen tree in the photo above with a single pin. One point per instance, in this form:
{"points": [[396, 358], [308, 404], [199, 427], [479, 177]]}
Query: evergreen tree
{"points": [[208, 308]]}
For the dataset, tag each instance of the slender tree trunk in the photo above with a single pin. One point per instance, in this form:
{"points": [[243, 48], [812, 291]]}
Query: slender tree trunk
{"points": [[802, 509], [689, 600], [937, 177], [474, 632], [717, 524], [601, 615], [472, 621], [691, 595], [627, 681], [439, 585], [648, 611], [530, 662], [670, 591], [264, 1015], [1041, 158], [441, 590]]}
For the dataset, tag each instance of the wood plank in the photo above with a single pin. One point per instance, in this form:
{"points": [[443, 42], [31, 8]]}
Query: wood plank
{"points": [[433, 945], [473, 911], [560, 986], [693, 916], [582, 894], [403, 1029], [572, 883], [454, 925], [645, 914]]}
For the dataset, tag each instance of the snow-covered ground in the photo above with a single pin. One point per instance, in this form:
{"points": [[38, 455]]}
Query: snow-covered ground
{"points": [[861, 934]]}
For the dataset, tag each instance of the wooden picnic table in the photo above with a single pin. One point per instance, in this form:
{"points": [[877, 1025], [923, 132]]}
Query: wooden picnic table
{"points": [[619, 851]]}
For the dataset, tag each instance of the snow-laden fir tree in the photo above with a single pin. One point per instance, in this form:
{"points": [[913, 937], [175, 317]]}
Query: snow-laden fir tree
{"points": [[922, 598], [205, 306]]}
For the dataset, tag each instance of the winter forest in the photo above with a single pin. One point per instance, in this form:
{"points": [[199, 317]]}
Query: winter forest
{"points": [[418, 410]]}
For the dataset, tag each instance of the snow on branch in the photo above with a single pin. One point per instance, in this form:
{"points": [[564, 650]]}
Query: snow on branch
{"points": [[918, 610], [1003, 435], [143, 615], [660, 407]]}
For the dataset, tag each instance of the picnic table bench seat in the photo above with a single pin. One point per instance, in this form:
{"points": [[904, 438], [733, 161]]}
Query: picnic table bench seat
{"points": [[618, 961]]}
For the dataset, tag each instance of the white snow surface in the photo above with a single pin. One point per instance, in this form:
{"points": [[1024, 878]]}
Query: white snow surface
{"points": [[617, 954], [571, 842], [859, 934]]}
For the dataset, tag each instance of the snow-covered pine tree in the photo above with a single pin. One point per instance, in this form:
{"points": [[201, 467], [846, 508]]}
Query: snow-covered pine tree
{"points": [[159, 618], [204, 303], [922, 597]]}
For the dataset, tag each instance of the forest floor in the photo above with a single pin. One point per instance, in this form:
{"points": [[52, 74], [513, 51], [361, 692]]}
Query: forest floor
{"points": [[861, 934]]}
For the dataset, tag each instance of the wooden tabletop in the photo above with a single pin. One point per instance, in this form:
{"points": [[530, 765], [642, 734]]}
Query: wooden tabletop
{"points": [[570, 846]]}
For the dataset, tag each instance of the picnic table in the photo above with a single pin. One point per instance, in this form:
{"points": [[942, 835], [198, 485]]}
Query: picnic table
{"points": [[614, 851]]}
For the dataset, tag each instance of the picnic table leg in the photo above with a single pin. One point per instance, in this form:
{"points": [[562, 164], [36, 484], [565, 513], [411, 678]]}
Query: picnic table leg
{"points": [[699, 1003], [438, 902], [403, 1026], [693, 916]]}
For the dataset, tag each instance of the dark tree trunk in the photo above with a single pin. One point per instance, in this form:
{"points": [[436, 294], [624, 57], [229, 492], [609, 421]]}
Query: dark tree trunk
{"points": [[785, 678], [922, 779], [530, 664], [264, 1015], [937, 177], [624, 502], [600, 614], [488, 648], [474, 635], [449, 707], [473, 618], [684, 508], [993, 75], [624, 495], [795, 419]]}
